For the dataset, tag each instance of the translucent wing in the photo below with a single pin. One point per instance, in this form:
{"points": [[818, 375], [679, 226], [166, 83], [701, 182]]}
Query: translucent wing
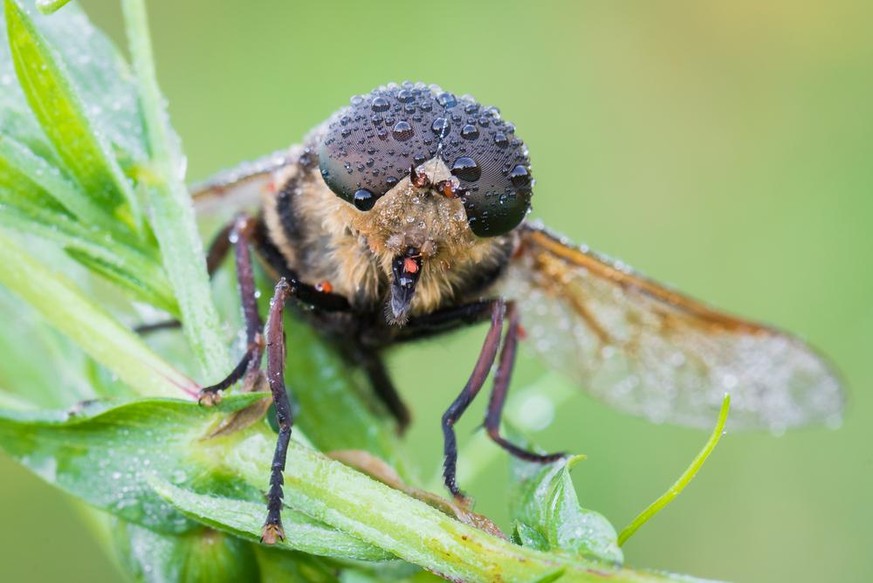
{"points": [[242, 185], [653, 352]]}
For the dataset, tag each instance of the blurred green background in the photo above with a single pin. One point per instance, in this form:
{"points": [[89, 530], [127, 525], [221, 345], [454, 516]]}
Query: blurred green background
{"points": [[723, 147]]}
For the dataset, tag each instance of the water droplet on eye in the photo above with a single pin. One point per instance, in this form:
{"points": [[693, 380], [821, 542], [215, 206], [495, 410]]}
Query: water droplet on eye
{"points": [[519, 176], [357, 100], [391, 181], [380, 104], [467, 169], [364, 199], [447, 100], [404, 96], [469, 132], [402, 131], [441, 127], [501, 140]]}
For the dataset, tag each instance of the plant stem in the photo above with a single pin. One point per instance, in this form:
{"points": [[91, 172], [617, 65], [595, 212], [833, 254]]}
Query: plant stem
{"points": [[409, 529], [683, 480], [172, 214]]}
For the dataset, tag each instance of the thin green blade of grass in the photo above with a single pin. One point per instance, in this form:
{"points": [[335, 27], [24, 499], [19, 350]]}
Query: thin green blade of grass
{"points": [[63, 305], [128, 267], [49, 6], [63, 118], [19, 157], [683, 480]]}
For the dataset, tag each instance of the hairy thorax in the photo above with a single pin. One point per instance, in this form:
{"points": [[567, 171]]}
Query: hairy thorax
{"points": [[324, 238]]}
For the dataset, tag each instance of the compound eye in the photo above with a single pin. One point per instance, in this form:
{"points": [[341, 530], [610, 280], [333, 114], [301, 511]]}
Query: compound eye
{"points": [[371, 144], [492, 168], [374, 142]]}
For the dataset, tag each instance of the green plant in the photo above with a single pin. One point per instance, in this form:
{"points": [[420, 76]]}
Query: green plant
{"points": [[91, 184]]}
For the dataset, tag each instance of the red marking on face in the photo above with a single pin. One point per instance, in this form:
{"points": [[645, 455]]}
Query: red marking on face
{"points": [[522, 333], [324, 287], [410, 265], [447, 189]]}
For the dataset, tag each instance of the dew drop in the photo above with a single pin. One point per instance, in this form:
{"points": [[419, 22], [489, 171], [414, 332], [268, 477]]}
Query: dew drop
{"points": [[441, 127], [470, 132], [501, 140], [380, 104], [364, 199], [402, 131], [467, 169], [447, 100], [519, 176]]}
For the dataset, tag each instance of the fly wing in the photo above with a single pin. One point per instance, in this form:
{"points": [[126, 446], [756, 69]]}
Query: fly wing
{"points": [[241, 186], [653, 352]]}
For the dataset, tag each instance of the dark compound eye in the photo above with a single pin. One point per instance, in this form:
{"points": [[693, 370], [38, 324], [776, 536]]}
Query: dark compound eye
{"points": [[381, 135]]}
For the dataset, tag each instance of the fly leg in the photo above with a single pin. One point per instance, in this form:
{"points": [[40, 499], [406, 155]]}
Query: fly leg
{"points": [[276, 376], [238, 234], [502, 377], [471, 389]]}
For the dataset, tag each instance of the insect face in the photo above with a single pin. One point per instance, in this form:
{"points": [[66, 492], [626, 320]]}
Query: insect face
{"points": [[418, 171]]}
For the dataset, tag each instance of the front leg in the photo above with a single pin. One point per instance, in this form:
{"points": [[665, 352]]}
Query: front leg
{"points": [[241, 235], [273, 530]]}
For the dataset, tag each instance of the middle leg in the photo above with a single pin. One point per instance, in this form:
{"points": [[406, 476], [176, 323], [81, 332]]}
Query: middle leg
{"points": [[502, 378]]}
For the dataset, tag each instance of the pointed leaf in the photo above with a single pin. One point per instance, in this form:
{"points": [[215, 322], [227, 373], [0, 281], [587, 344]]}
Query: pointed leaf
{"points": [[59, 107], [547, 514], [49, 6], [62, 304], [108, 458]]}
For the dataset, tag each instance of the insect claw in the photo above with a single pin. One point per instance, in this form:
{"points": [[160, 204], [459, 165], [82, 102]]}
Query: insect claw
{"points": [[418, 179], [208, 398], [272, 533]]}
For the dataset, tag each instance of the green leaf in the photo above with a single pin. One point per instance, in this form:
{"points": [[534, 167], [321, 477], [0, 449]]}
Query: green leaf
{"points": [[63, 305], [108, 458], [129, 267], [547, 514], [17, 159], [111, 458], [59, 108], [244, 519], [49, 6], [199, 555]]}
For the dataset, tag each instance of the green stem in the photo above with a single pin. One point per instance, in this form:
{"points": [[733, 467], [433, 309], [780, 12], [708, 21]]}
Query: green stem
{"points": [[683, 480], [172, 214], [407, 528]]}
